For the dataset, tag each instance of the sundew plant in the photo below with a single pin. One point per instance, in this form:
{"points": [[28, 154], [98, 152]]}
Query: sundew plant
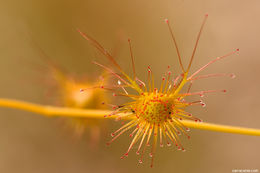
{"points": [[157, 112], [66, 92], [156, 115]]}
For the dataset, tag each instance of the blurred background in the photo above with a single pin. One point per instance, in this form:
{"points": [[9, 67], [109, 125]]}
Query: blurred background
{"points": [[32, 143]]}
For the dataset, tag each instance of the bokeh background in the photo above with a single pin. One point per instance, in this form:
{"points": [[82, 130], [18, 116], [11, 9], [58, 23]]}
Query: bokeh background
{"points": [[32, 143]]}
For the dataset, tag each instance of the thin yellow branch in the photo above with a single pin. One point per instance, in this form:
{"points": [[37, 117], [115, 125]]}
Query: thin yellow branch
{"points": [[53, 110], [91, 113]]}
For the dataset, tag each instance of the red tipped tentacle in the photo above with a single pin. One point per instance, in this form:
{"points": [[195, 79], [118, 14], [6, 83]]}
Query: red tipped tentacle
{"points": [[197, 41]]}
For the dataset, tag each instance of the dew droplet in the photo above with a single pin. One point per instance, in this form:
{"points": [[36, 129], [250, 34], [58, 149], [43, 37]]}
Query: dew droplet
{"points": [[163, 78]]}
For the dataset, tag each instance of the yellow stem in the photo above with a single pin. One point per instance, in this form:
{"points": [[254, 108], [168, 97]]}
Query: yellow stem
{"points": [[93, 113], [183, 82]]}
